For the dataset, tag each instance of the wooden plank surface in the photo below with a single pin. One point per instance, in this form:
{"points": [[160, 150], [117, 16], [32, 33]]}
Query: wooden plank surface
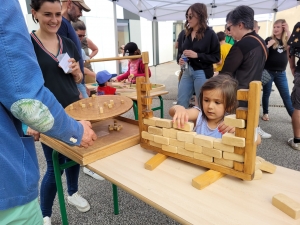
{"points": [[228, 201], [110, 143]]}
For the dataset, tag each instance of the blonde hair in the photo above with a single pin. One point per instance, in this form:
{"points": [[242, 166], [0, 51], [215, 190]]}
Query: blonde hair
{"points": [[283, 38]]}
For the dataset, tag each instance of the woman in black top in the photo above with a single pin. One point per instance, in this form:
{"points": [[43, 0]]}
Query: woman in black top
{"points": [[276, 65], [202, 47]]}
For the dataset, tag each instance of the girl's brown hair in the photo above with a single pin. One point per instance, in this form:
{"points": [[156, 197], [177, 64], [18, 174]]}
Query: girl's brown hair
{"points": [[228, 87], [284, 37], [199, 10]]}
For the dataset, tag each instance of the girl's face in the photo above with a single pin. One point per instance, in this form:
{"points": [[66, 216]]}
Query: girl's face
{"points": [[192, 19], [49, 17], [213, 105], [277, 29]]}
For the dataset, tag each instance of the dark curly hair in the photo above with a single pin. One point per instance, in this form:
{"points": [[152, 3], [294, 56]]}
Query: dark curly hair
{"points": [[200, 11], [36, 5], [228, 87]]}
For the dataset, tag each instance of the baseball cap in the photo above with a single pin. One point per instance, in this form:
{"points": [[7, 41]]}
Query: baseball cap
{"points": [[81, 2], [130, 48], [103, 76]]}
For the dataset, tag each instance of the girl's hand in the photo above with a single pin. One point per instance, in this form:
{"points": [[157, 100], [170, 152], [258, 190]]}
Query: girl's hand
{"points": [[181, 116], [224, 128], [131, 76], [285, 27], [33, 133], [190, 54], [114, 79], [270, 43]]}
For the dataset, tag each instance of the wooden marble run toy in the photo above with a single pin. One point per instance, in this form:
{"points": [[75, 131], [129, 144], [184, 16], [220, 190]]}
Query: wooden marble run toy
{"points": [[233, 154]]}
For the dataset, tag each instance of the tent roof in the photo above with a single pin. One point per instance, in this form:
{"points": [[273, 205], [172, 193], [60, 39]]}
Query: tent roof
{"points": [[165, 10]]}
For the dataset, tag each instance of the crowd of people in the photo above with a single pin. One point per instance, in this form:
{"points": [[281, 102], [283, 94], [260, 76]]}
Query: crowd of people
{"points": [[239, 53]]}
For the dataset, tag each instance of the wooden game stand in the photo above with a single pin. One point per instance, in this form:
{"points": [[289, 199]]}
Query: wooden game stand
{"points": [[244, 170]]}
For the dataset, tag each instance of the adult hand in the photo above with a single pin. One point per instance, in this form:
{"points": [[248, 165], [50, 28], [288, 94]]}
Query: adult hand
{"points": [[76, 72], [190, 54], [181, 62], [181, 116], [224, 128], [33, 133], [88, 136]]}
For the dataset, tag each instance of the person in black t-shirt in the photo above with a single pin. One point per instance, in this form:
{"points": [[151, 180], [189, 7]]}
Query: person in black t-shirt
{"points": [[276, 66], [180, 40], [202, 48]]}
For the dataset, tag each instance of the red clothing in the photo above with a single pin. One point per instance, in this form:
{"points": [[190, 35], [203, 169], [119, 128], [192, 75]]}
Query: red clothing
{"points": [[140, 73], [107, 90]]}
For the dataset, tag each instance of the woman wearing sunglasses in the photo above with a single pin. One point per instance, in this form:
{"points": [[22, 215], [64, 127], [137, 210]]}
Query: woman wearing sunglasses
{"points": [[202, 48]]}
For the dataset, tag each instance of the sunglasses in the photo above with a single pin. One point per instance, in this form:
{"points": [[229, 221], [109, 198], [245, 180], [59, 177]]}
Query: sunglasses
{"points": [[79, 6], [81, 35], [228, 28], [122, 48], [189, 17]]}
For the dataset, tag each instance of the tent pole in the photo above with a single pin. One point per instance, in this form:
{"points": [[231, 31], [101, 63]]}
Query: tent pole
{"points": [[155, 45], [116, 34]]}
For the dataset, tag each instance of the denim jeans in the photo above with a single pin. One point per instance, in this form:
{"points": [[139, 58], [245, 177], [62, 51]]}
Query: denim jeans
{"points": [[280, 80], [82, 89], [48, 185], [191, 80]]}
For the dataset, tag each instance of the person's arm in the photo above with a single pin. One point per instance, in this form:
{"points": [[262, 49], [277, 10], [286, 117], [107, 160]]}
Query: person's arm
{"points": [[89, 72], [141, 70], [93, 47], [182, 115], [291, 61], [214, 55], [232, 61], [30, 101]]}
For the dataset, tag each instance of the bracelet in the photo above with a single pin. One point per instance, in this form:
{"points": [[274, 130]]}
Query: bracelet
{"points": [[78, 78]]}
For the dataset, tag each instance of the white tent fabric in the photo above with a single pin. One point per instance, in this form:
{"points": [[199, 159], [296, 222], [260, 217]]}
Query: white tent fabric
{"points": [[163, 10]]}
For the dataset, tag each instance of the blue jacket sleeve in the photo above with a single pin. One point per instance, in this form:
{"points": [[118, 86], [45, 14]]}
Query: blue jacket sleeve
{"points": [[22, 88]]}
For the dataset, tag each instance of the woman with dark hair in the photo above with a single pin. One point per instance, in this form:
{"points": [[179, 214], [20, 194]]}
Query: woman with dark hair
{"points": [[276, 65], [246, 59], [202, 48]]}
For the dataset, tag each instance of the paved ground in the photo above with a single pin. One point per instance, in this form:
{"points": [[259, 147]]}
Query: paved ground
{"points": [[134, 211]]}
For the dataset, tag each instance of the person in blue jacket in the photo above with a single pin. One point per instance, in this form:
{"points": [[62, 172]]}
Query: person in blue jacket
{"points": [[23, 98]]}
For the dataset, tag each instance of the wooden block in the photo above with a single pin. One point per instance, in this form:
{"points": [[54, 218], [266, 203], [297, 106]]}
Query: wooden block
{"points": [[231, 139], [170, 133], [184, 152], [206, 179], [147, 136], [224, 162], [238, 166], [109, 106], [241, 113], [240, 132], [83, 105], [258, 158], [203, 157], [205, 141], [119, 127], [188, 126], [192, 147], [239, 150], [156, 160], [242, 95], [152, 143], [257, 175], [111, 102], [110, 127], [170, 148], [287, 205], [100, 109], [232, 121], [150, 121], [122, 101], [267, 167], [257, 165], [186, 136], [233, 156], [212, 152], [93, 96], [90, 104], [161, 140], [219, 145], [175, 142], [163, 123], [155, 130], [105, 103]]}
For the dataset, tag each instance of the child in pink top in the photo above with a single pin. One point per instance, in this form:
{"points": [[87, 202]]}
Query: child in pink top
{"points": [[136, 67]]}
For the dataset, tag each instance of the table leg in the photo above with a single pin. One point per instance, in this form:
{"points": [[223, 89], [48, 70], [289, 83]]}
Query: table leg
{"points": [[59, 187], [116, 201], [135, 110], [161, 106]]}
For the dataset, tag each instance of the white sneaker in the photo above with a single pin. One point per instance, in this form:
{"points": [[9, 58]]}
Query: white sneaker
{"points": [[294, 145], [263, 134], [79, 202], [92, 174], [47, 220]]}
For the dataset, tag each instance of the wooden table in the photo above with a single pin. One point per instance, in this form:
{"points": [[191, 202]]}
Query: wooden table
{"points": [[228, 201]]}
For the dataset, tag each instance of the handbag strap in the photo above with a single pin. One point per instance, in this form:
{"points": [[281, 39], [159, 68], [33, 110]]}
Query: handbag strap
{"points": [[266, 54]]}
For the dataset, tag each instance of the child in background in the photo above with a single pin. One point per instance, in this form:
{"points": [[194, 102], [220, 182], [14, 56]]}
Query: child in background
{"points": [[135, 66], [217, 98], [224, 48], [102, 78]]}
